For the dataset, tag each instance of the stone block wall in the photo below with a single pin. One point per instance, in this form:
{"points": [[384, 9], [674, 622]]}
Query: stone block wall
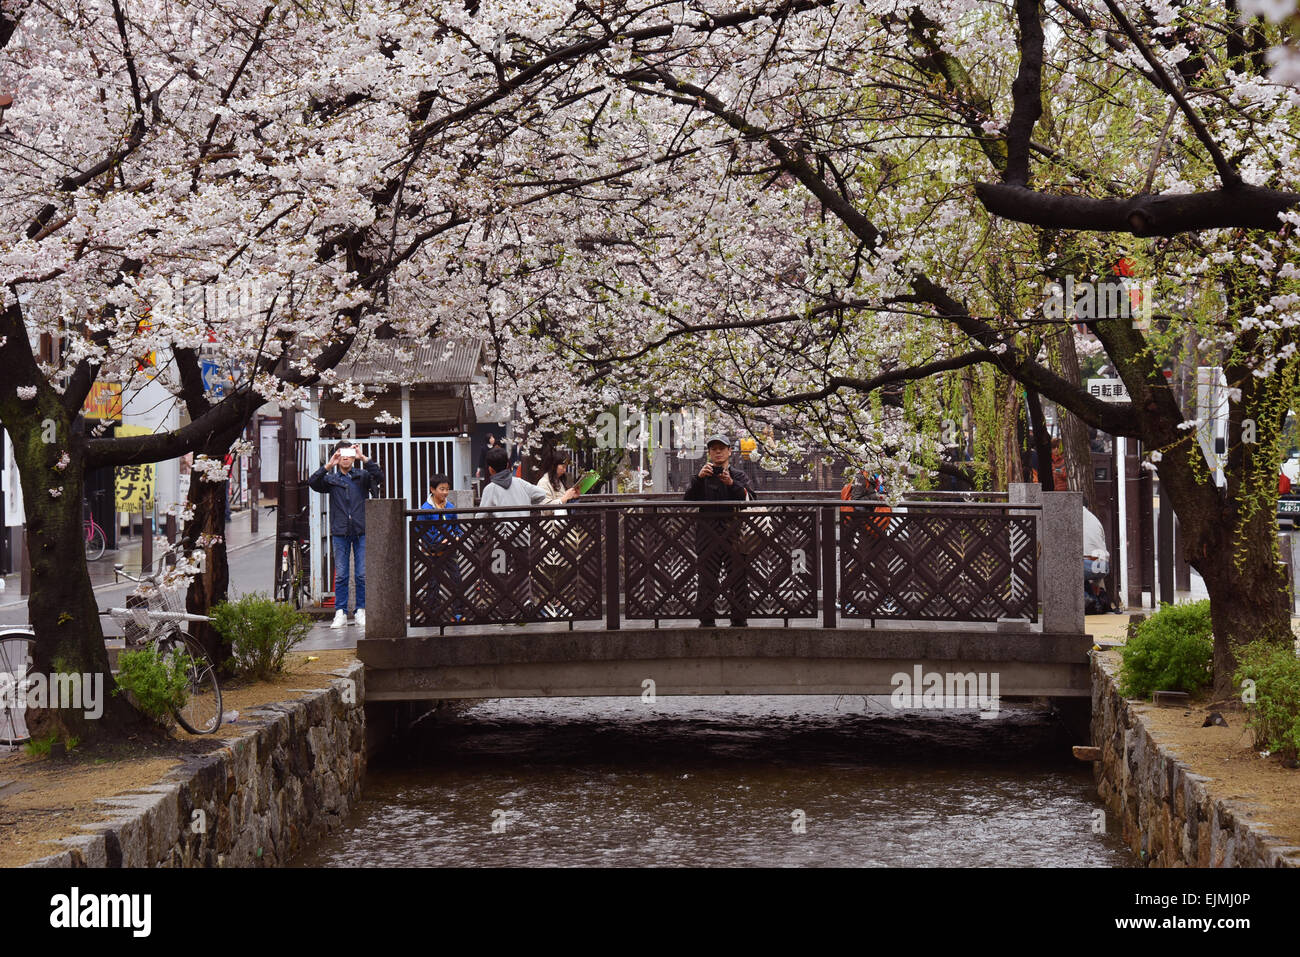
{"points": [[255, 802], [1168, 816]]}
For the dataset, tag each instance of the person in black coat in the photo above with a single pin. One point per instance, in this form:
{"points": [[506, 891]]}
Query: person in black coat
{"points": [[348, 488], [491, 443], [721, 568]]}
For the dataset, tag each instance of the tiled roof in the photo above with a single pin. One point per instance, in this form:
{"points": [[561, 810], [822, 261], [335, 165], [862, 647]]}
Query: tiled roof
{"points": [[412, 361]]}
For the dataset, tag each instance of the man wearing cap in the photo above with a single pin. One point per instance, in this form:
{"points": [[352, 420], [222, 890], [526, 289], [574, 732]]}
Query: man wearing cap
{"points": [[348, 489], [721, 568]]}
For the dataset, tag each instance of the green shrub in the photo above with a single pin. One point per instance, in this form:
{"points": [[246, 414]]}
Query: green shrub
{"points": [[157, 683], [41, 747], [1173, 650], [1274, 715], [261, 631]]}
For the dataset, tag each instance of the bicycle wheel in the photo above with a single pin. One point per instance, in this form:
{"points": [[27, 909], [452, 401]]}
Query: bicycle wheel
{"points": [[95, 544], [301, 584], [15, 648], [201, 713], [283, 578]]}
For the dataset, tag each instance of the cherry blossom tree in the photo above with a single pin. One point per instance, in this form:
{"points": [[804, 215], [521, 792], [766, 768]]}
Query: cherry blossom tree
{"points": [[938, 165], [279, 183]]}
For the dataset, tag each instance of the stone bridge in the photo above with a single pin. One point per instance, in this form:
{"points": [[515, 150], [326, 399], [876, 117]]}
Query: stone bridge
{"points": [[606, 598]]}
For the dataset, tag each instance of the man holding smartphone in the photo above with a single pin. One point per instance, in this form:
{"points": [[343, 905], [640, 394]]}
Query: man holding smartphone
{"points": [[348, 488], [721, 568]]}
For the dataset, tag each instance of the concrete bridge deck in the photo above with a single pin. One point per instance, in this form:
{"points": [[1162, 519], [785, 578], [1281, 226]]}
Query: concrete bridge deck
{"points": [[688, 661]]}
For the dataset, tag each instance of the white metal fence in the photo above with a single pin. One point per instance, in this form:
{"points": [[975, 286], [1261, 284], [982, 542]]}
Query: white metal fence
{"points": [[407, 464]]}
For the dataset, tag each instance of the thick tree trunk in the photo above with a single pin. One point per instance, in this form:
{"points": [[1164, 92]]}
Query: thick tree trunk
{"points": [[62, 608], [1248, 595], [1074, 433], [1009, 467], [1042, 442], [206, 532], [1230, 538]]}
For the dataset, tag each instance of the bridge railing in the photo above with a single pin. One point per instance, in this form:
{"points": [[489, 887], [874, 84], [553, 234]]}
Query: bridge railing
{"points": [[654, 560]]}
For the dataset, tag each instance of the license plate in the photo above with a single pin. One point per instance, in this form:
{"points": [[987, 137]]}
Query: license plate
{"points": [[1288, 506]]}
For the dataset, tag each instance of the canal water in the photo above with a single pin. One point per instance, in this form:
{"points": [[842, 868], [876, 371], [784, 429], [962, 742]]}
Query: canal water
{"points": [[719, 781]]}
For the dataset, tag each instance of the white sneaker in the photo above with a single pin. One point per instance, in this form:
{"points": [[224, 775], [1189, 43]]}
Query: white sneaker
{"points": [[340, 619], [361, 618]]}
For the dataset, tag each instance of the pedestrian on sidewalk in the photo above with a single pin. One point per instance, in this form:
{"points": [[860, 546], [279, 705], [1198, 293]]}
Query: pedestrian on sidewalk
{"points": [[503, 488], [229, 463], [348, 487], [439, 540], [723, 569], [492, 443], [1096, 566]]}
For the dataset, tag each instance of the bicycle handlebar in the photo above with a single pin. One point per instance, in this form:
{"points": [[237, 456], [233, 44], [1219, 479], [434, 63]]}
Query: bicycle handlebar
{"points": [[156, 615]]}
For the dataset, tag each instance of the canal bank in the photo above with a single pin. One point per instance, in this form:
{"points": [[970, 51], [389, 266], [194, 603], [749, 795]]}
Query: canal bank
{"points": [[284, 776], [1187, 795], [778, 780]]}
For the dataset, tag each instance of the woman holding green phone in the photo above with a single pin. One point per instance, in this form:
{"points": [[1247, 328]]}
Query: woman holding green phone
{"points": [[554, 568]]}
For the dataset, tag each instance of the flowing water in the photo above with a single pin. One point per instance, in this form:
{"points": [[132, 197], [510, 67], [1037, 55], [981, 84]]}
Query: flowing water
{"points": [[699, 781]]}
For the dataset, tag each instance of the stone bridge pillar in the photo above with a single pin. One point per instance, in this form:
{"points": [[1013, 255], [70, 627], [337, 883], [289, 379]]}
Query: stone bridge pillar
{"points": [[1060, 563], [386, 568]]}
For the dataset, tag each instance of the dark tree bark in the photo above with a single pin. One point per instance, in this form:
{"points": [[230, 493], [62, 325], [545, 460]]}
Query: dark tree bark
{"points": [[1074, 432], [1161, 214], [61, 608], [1042, 442]]}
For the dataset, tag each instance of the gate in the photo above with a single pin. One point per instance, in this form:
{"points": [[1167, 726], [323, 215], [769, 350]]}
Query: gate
{"points": [[406, 465]]}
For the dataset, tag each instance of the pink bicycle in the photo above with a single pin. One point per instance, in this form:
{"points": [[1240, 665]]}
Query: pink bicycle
{"points": [[96, 540]]}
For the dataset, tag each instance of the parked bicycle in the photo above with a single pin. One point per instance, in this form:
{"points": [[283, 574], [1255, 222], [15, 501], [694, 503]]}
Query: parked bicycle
{"points": [[96, 538], [293, 565], [15, 658], [156, 615]]}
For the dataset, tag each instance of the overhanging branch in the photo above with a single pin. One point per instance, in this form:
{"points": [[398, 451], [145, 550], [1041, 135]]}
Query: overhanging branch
{"points": [[1159, 214]]}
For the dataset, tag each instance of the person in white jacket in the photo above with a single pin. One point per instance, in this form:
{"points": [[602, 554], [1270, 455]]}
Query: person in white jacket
{"points": [[555, 482], [504, 489], [1096, 562]]}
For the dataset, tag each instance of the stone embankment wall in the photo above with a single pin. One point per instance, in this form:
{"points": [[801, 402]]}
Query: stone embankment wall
{"points": [[1168, 815], [257, 801]]}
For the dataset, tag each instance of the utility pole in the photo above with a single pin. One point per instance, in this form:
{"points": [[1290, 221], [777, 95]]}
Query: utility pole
{"points": [[255, 474]]}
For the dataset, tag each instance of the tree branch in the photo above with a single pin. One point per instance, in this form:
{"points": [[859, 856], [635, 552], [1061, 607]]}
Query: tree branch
{"points": [[1159, 214], [1026, 93]]}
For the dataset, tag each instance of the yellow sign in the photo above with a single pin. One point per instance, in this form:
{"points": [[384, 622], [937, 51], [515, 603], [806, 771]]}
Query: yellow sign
{"points": [[104, 401], [133, 484]]}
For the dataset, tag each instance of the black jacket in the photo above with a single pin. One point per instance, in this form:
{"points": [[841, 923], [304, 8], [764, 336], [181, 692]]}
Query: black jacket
{"points": [[348, 494], [712, 489]]}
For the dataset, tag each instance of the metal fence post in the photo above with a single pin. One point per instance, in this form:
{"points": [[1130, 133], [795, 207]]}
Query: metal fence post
{"points": [[611, 569], [830, 569]]}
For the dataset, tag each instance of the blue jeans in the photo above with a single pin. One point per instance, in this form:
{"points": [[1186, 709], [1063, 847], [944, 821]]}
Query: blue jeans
{"points": [[343, 545]]}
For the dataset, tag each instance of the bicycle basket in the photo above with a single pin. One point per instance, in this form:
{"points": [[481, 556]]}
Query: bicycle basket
{"points": [[143, 622]]}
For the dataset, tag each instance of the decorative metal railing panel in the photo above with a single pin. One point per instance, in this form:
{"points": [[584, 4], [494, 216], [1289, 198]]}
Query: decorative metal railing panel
{"points": [[954, 565], [664, 561], [491, 569], [736, 563]]}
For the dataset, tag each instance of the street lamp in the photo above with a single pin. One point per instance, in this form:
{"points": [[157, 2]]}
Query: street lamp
{"points": [[6, 101]]}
